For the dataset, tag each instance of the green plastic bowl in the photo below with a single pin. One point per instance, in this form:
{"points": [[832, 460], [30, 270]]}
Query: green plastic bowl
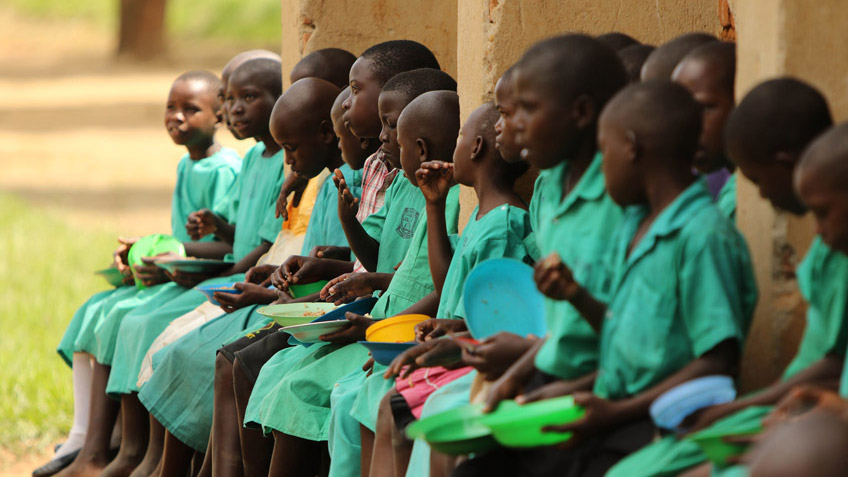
{"points": [[290, 314], [150, 246], [455, 432], [299, 291], [112, 276], [515, 425], [713, 445]]}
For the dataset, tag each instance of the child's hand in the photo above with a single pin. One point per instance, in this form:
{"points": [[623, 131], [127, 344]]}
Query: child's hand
{"points": [[368, 367], [121, 255], [494, 355], [348, 204], [148, 273], [554, 279], [438, 327], [435, 178], [283, 297], [601, 415], [355, 332], [704, 418], [803, 399], [294, 184], [510, 384], [331, 252], [201, 223], [260, 274], [187, 280], [347, 287], [446, 352], [251, 295], [299, 269]]}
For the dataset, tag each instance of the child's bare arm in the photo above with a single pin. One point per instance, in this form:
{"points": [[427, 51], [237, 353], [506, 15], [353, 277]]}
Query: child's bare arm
{"points": [[363, 245], [435, 180], [215, 250], [203, 222], [248, 260]]}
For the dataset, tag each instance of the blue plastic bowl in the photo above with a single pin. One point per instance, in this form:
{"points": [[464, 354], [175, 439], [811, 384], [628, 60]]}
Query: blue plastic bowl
{"points": [[670, 409], [500, 295], [385, 353], [209, 290], [360, 307]]}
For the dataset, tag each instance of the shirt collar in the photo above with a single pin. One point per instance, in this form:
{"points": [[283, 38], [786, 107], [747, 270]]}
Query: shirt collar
{"points": [[590, 187]]}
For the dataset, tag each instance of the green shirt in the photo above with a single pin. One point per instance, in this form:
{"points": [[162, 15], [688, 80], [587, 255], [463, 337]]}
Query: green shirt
{"points": [[202, 184], [253, 202], [324, 227], [685, 287], [413, 281], [579, 228], [502, 232], [726, 200], [823, 280], [394, 224]]}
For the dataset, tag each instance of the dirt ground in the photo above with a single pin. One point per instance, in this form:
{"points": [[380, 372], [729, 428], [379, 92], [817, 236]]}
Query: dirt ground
{"points": [[81, 133]]}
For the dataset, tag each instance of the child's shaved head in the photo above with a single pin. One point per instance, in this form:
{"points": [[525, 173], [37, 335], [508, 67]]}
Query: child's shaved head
{"points": [[330, 64], [411, 84], [769, 129], [392, 57], [264, 72], [820, 181], [814, 446], [661, 63], [431, 123], [617, 40], [633, 58], [481, 123], [240, 58], [301, 123], [210, 80]]}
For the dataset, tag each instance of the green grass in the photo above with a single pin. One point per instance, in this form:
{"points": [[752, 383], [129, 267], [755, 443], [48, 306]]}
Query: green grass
{"points": [[253, 21], [45, 274]]}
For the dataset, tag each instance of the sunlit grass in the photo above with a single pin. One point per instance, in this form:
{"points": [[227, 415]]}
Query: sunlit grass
{"points": [[45, 274]]}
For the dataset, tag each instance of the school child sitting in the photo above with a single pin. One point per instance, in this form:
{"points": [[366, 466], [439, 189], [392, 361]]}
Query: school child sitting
{"points": [[204, 176], [661, 62], [499, 227], [708, 72], [765, 135], [696, 316]]}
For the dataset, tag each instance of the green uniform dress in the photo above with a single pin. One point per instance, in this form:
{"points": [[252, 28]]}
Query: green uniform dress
{"points": [[504, 231], [301, 379], [180, 392], [200, 184], [579, 228], [822, 276], [726, 199], [253, 206]]}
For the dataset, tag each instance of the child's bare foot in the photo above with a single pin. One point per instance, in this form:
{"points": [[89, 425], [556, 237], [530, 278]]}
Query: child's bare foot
{"points": [[84, 467], [122, 466]]}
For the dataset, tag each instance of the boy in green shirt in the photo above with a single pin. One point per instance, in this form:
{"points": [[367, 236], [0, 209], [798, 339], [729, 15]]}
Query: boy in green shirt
{"points": [[656, 334], [765, 135]]}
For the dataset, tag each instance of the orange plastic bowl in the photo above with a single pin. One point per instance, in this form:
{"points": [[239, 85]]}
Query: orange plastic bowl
{"points": [[397, 329]]}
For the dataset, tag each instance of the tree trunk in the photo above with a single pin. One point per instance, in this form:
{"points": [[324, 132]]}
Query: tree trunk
{"points": [[142, 28]]}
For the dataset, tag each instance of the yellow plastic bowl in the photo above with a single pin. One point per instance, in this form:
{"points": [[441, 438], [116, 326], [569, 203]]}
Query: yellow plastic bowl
{"points": [[398, 329]]}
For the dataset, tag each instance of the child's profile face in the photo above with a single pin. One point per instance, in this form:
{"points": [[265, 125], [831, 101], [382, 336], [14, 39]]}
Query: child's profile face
{"points": [[544, 128], [390, 106], [249, 106], [190, 113], [618, 166], [305, 146], [773, 178], [353, 153], [505, 127], [361, 109], [705, 86], [463, 164], [828, 204]]}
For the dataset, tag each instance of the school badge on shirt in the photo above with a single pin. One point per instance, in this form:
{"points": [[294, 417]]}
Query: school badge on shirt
{"points": [[407, 223]]}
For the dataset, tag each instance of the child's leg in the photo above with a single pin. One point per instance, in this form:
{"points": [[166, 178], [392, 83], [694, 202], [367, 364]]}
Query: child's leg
{"points": [[206, 466], [82, 369], [294, 456], [176, 457], [256, 448], [135, 426], [226, 449], [94, 455], [153, 455], [391, 451], [366, 437]]}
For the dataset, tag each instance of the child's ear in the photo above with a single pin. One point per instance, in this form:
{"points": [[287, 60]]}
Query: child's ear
{"points": [[479, 149], [584, 111], [327, 131], [364, 143], [423, 150], [633, 149]]}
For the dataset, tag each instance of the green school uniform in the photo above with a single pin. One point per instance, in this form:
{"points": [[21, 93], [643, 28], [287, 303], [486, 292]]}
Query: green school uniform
{"points": [[726, 200], [504, 231], [821, 278], [707, 293], [579, 228], [257, 188], [402, 209], [300, 379], [180, 391], [200, 184]]}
